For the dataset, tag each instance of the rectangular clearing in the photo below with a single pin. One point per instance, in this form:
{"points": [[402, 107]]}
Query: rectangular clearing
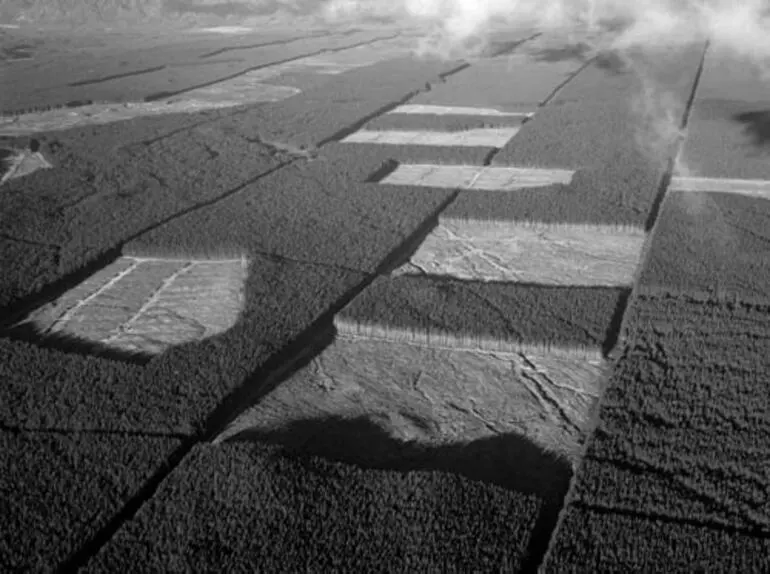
{"points": [[475, 177], [425, 109], [758, 188], [433, 397], [579, 255], [489, 137]]}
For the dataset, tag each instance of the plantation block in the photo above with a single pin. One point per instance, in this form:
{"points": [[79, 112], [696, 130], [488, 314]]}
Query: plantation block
{"points": [[710, 244], [683, 428], [483, 315], [251, 507], [59, 489], [597, 540]]}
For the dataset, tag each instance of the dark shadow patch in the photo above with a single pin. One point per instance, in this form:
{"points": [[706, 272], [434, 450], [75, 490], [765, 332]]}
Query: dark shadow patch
{"points": [[579, 52], [756, 126], [77, 559], [387, 167], [78, 103], [616, 323], [68, 343], [611, 62], [504, 48], [510, 461]]}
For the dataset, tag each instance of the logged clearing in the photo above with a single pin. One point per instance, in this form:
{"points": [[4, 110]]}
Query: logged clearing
{"points": [[476, 177], [542, 254], [146, 306], [424, 397], [443, 122], [489, 137]]}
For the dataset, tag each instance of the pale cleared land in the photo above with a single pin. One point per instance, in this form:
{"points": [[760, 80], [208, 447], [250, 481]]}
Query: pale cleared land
{"points": [[148, 305], [455, 110], [492, 137], [430, 396], [476, 177], [24, 162], [749, 187], [566, 255]]}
